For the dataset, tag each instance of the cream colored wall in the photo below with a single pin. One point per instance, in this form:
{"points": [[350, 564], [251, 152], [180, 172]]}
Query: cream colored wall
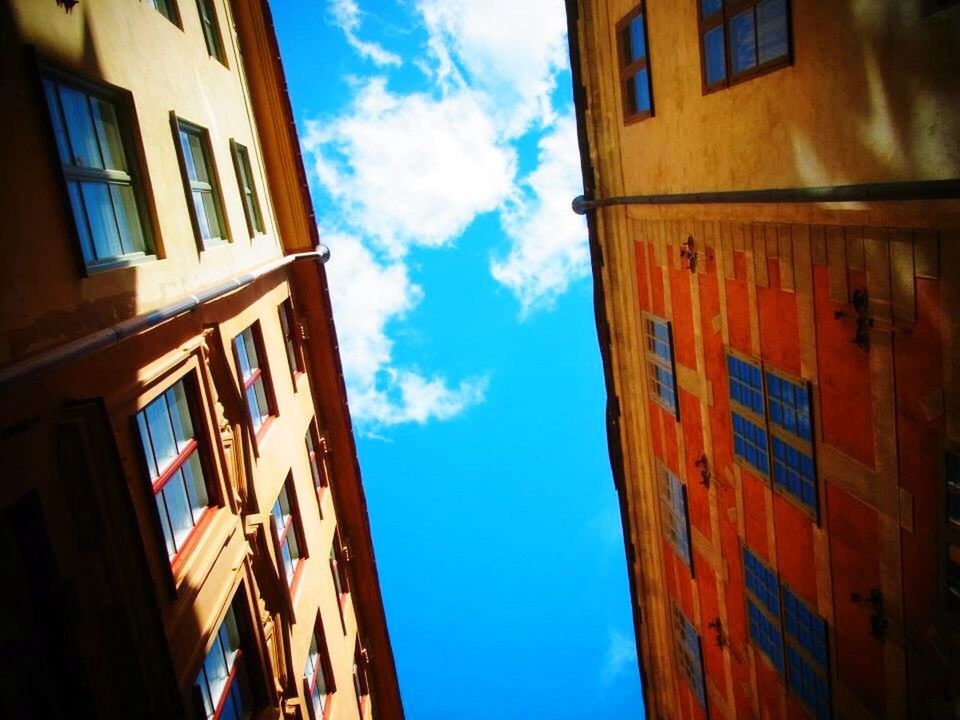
{"points": [[126, 43], [871, 97]]}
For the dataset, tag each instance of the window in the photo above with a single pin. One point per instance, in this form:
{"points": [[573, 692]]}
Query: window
{"points": [[740, 39], [361, 684], [99, 172], [338, 567], [291, 337], [635, 66], [222, 683], [746, 406], [317, 675], [174, 465], [254, 377], [788, 408], [211, 29], [673, 511], [659, 352], [763, 609], [248, 191], [166, 8], [806, 635], [200, 183], [689, 654], [316, 449], [286, 523]]}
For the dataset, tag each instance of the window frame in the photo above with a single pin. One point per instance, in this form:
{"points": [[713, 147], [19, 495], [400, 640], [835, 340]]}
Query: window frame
{"points": [[629, 69], [210, 29], [796, 441], [654, 361], [173, 13], [668, 482], [292, 340], [791, 641], [122, 102], [244, 171], [749, 414], [202, 446], [214, 187], [324, 667], [728, 10], [689, 661], [316, 459], [263, 374], [281, 535], [775, 620], [361, 679], [339, 569]]}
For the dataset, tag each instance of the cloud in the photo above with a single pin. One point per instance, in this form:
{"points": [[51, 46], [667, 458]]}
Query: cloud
{"points": [[549, 247], [411, 169], [367, 296], [511, 51], [346, 15], [621, 656]]}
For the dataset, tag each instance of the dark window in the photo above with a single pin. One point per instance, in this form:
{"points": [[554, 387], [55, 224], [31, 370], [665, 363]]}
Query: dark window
{"points": [[211, 28], [167, 8], [222, 681], [361, 684], [338, 568], [636, 84], [953, 488], [316, 449], [200, 182], [689, 654], [287, 524], [98, 169], [317, 676], [788, 406], [740, 39], [291, 337], [174, 465], [674, 515], [747, 415], [248, 190], [660, 364], [953, 579], [254, 377], [763, 609], [806, 636]]}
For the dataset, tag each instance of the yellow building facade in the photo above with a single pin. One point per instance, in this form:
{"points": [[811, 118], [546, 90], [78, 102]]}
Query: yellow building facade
{"points": [[184, 523], [772, 192]]}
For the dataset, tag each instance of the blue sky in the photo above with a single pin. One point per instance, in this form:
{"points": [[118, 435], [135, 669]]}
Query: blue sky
{"points": [[441, 149]]}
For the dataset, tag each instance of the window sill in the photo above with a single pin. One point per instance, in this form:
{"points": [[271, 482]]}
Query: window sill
{"points": [[260, 435], [119, 263], [214, 243]]}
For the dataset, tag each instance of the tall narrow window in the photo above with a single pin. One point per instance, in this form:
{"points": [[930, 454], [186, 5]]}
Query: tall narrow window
{"points": [[211, 28], [689, 654], [806, 635], [953, 487], [361, 684], [248, 190], [791, 437], [316, 448], [254, 377], [99, 172], [740, 39], [174, 464], [635, 80], [660, 365], [200, 181], [673, 512], [291, 337], [286, 520], [318, 679], [222, 683], [748, 419], [763, 609], [167, 8], [338, 568]]}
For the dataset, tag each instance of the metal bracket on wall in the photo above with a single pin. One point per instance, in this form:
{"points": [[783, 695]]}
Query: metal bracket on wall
{"points": [[878, 619], [719, 637], [688, 253], [705, 475], [861, 303]]}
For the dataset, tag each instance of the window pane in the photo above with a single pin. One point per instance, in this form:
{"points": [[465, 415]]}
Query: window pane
{"points": [[103, 223], [128, 220], [638, 45], [83, 141], [180, 414], [714, 52], [178, 506], [772, 29], [213, 219], [165, 526], [200, 210], [251, 347], [641, 85], [196, 487], [80, 218], [199, 158], [242, 356], [161, 433], [262, 403], [188, 155], [59, 131], [108, 132], [255, 415], [710, 7], [743, 43]]}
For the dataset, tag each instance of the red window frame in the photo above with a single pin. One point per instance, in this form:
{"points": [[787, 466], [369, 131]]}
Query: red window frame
{"points": [[238, 671], [197, 445], [261, 372], [291, 522], [292, 340], [323, 666]]}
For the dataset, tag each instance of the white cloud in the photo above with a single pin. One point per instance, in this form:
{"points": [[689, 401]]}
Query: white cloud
{"points": [[621, 655], [510, 50], [346, 15], [367, 296], [412, 169], [549, 242]]}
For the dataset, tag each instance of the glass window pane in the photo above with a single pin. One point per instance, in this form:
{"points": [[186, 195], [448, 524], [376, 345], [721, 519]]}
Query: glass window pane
{"points": [[255, 415], [743, 42], [641, 85], [772, 29], [715, 59], [199, 158], [180, 414], [103, 223], [241, 348], [262, 398], [251, 347], [188, 155], [59, 131], [165, 525], [147, 445], [178, 506], [213, 219], [196, 487], [83, 140], [710, 7], [161, 433], [108, 132], [80, 218], [638, 44], [202, 221], [128, 219]]}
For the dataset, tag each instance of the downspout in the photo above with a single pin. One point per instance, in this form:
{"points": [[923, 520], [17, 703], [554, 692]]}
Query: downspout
{"points": [[113, 335]]}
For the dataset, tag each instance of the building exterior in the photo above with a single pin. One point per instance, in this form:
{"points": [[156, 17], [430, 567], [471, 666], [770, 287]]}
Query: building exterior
{"points": [[184, 531], [771, 189]]}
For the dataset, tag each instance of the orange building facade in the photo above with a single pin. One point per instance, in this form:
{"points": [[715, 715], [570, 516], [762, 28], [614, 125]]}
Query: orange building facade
{"points": [[771, 190], [184, 525]]}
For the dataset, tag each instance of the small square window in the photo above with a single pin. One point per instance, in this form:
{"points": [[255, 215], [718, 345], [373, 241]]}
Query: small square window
{"points": [[254, 377], [175, 466], [248, 189], [99, 172], [287, 525]]}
